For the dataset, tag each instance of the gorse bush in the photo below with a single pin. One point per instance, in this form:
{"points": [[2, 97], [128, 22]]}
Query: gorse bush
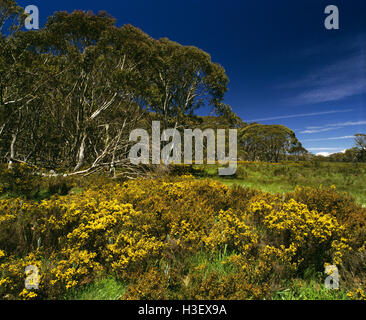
{"points": [[19, 179], [298, 236], [162, 238], [339, 205], [27, 182]]}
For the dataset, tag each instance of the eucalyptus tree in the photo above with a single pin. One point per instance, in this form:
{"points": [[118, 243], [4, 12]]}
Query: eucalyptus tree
{"points": [[184, 79], [19, 81], [360, 140], [268, 142], [102, 89], [71, 92], [12, 17]]}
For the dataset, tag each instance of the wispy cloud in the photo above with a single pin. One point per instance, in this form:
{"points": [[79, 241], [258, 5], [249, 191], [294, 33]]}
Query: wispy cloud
{"points": [[301, 115], [326, 94], [333, 126], [320, 149], [327, 139], [333, 82], [311, 50], [319, 130]]}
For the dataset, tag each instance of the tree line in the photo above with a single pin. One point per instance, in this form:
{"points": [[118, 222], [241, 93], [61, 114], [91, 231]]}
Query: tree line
{"points": [[72, 91], [355, 154]]}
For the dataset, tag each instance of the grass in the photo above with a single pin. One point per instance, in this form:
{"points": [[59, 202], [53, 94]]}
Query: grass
{"points": [[109, 288], [309, 290], [216, 262], [284, 177], [104, 289], [76, 190]]}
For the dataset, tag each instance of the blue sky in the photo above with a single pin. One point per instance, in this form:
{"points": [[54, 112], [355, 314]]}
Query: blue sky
{"points": [[284, 66]]}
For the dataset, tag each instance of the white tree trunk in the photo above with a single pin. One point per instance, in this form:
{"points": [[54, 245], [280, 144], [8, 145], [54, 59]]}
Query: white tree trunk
{"points": [[12, 150], [81, 154]]}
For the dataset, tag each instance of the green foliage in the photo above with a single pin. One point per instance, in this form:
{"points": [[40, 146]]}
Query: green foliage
{"points": [[176, 238], [309, 290], [285, 176], [71, 92], [269, 142], [18, 180], [106, 288], [341, 206], [23, 181]]}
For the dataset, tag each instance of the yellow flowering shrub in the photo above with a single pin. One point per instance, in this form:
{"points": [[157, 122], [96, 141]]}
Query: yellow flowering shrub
{"points": [[12, 280], [297, 235], [214, 286], [185, 208], [18, 179], [339, 205], [73, 267], [150, 230], [357, 294], [151, 285], [119, 236], [17, 225], [230, 230]]}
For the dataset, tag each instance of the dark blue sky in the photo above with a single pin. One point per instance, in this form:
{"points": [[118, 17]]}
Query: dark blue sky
{"points": [[284, 66]]}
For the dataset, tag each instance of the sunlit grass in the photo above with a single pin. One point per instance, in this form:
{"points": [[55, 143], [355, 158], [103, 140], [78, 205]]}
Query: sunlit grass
{"points": [[309, 290], [104, 289], [284, 177]]}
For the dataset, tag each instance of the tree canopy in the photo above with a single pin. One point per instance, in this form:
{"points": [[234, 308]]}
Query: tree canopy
{"points": [[268, 142], [71, 92]]}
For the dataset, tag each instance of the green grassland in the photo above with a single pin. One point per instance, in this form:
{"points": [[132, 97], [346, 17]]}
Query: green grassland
{"points": [[285, 176]]}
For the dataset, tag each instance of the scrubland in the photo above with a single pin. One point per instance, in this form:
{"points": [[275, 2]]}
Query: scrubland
{"points": [[267, 233]]}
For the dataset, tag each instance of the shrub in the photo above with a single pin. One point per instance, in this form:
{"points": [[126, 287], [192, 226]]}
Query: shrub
{"points": [[215, 286], [294, 234], [59, 185], [152, 285], [146, 232], [339, 205], [19, 180]]}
